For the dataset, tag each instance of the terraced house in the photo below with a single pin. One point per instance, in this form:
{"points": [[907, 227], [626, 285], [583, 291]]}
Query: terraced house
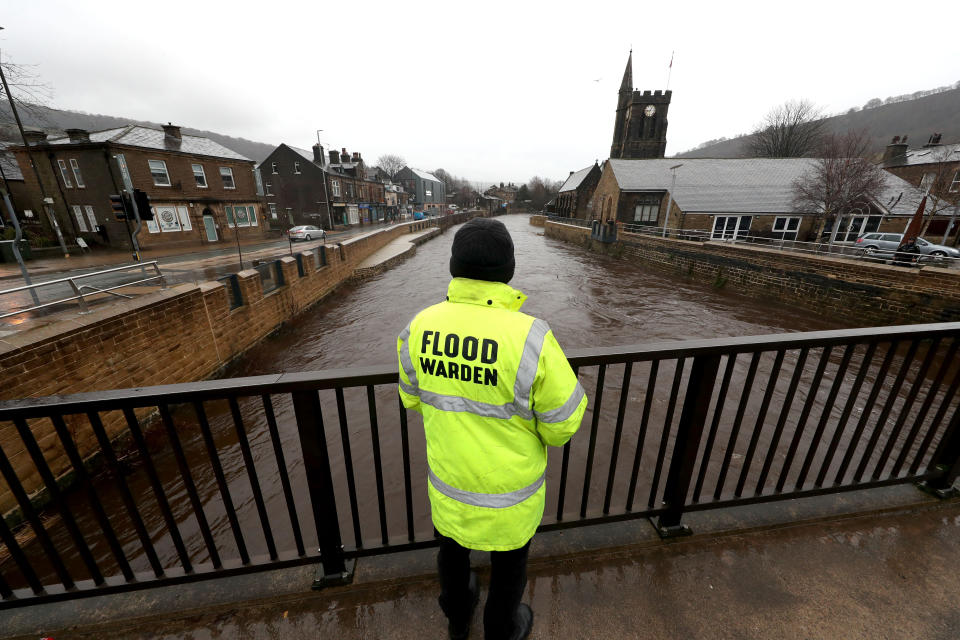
{"points": [[201, 192]]}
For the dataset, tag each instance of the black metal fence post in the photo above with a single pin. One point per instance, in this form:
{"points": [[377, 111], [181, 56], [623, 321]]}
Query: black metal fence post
{"points": [[947, 459], [696, 403], [316, 464]]}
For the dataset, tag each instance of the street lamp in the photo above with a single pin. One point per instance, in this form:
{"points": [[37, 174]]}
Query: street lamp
{"points": [[323, 176], [673, 184]]}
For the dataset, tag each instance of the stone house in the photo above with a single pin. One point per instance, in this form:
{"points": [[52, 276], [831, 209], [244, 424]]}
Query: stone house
{"points": [[201, 192], [733, 198], [574, 196], [505, 192], [311, 187], [936, 167]]}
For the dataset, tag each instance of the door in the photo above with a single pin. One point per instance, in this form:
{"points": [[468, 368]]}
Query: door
{"points": [[210, 227]]}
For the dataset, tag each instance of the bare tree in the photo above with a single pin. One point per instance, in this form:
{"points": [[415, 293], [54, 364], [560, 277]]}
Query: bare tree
{"points": [[541, 190], [791, 130], [30, 93], [840, 180], [391, 164]]}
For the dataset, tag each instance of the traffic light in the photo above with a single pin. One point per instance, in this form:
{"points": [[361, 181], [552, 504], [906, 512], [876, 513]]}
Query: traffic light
{"points": [[120, 207], [143, 204]]}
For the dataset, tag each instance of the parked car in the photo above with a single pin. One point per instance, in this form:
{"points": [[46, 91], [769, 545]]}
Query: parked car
{"points": [[876, 242], [306, 232]]}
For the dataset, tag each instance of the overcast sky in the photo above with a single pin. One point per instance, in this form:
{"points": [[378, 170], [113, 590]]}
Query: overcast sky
{"points": [[487, 90]]}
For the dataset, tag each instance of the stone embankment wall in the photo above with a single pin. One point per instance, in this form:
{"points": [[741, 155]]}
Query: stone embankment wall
{"points": [[538, 220], [182, 334], [857, 292]]}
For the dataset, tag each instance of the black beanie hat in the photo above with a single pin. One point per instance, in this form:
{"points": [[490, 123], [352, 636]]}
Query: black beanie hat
{"points": [[482, 250]]}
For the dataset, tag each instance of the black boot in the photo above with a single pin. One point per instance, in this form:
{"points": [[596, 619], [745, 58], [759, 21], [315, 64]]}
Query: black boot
{"points": [[523, 619], [460, 630]]}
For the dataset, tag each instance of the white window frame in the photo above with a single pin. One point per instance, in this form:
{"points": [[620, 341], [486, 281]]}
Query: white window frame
{"points": [[296, 167], [273, 210], [202, 175], [335, 187], [955, 185], [227, 172], [266, 189], [646, 212], [786, 224], [65, 174], [163, 165], [927, 180], [738, 231], [91, 216], [78, 214], [77, 176], [273, 168]]}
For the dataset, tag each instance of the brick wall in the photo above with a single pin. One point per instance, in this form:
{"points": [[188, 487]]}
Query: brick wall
{"points": [[182, 334], [860, 293]]}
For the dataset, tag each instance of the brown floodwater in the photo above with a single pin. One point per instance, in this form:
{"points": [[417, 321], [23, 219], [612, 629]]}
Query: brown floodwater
{"points": [[590, 301]]}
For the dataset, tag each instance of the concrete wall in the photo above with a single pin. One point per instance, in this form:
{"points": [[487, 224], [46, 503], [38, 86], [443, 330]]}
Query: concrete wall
{"points": [[860, 293], [182, 334]]}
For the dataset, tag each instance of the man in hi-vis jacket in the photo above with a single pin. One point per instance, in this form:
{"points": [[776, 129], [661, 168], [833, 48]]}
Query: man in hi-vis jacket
{"points": [[494, 389]]}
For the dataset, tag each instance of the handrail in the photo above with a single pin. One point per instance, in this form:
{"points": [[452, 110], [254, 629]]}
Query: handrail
{"points": [[78, 290]]}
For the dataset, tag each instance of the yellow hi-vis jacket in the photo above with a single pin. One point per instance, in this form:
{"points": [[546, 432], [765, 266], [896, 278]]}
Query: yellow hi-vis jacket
{"points": [[494, 389]]}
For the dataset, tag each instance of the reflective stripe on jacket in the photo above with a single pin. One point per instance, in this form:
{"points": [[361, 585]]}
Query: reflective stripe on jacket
{"points": [[494, 389]]}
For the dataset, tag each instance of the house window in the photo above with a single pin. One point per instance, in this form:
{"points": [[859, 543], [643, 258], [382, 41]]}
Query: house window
{"points": [[786, 226], [273, 210], [199, 175], [646, 209], [241, 216], [296, 167], [273, 168], [76, 172], [290, 215], [226, 174], [64, 174], [731, 227], [955, 185], [91, 216], [335, 187], [927, 181], [158, 169], [268, 185], [78, 214]]}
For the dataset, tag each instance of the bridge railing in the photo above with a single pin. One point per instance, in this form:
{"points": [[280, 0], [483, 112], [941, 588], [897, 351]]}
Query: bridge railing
{"points": [[191, 481]]}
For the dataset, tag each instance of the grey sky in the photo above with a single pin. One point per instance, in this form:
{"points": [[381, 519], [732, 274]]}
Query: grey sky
{"points": [[487, 90]]}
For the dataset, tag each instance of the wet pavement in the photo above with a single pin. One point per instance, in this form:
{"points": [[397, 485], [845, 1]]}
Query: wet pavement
{"points": [[883, 575]]}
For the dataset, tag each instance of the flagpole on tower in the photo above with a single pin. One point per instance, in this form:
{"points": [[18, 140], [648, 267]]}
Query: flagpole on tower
{"points": [[670, 70]]}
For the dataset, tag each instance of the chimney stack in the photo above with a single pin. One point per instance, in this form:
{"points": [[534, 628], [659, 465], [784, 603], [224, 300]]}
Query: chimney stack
{"points": [[933, 141], [35, 136], [334, 156], [895, 155], [318, 154], [171, 131], [78, 135], [355, 157]]}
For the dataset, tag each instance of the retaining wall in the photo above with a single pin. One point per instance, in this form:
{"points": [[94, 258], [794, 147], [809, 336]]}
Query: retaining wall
{"points": [[857, 292]]}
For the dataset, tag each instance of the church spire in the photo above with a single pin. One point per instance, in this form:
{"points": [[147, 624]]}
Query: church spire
{"points": [[627, 84]]}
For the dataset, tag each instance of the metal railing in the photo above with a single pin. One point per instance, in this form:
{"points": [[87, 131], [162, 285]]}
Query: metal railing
{"points": [[780, 241], [232, 476], [82, 291]]}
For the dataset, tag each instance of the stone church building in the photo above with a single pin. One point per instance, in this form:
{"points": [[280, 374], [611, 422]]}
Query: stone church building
{"points": [[640, 128]]}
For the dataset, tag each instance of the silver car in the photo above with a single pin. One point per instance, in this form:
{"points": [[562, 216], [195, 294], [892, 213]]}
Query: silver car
{"points": [[877, 242], [306, 232]]}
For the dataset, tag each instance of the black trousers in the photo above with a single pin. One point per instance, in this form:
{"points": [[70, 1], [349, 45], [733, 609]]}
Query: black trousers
{"points": [[508, 579]]}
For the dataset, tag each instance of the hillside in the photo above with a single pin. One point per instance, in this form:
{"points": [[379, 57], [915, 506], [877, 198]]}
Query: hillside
{"points": [[56, 120], [917, 119]]}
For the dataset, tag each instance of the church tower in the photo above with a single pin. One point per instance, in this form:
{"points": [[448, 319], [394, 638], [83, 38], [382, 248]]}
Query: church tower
{"points": [[640, 128]]}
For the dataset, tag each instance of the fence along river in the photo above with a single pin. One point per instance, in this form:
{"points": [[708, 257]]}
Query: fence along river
{"points": [[760, 432]]}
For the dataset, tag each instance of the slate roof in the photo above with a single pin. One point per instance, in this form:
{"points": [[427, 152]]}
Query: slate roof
{"points": [[147, 138], [424, 175], [11, 170], [576, 178], [932, 155], [751, 185], [302, 152]]}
